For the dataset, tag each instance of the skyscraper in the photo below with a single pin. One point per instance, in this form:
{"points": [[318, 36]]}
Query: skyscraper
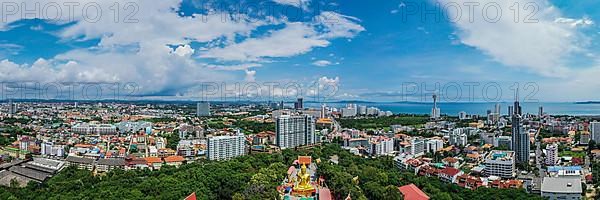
{"points": [[595, 129], [497, 109], [541, 112], [294, 130], [435, 111], [12, 107], [299, 104], [203, 109], [510, 111], [520, 138]]}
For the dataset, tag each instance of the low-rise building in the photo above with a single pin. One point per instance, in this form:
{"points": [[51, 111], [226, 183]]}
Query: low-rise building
{"points": [[500, 163], [105, 165], [154, 162], [80, 162], [449, 174], [174, 160], [561, 188]]}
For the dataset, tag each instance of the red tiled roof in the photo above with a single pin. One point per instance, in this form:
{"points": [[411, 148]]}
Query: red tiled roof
{"points": [[412, 192], [450, 171], [191, 197], [153, 160], [174, 159]]}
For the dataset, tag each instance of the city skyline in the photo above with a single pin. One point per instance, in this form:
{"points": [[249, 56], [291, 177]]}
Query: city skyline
{"points": [[346, 45]]}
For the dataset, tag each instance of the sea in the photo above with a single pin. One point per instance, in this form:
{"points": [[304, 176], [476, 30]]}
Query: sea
{"points": [[478, 108]]}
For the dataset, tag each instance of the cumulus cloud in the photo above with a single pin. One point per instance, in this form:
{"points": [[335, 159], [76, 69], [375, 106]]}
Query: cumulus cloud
{"points": [[184, 50], [155, 48], [294, 39], [538, 44]]}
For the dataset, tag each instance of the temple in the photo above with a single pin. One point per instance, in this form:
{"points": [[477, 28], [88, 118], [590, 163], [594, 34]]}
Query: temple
{"points": [[301, 183]]}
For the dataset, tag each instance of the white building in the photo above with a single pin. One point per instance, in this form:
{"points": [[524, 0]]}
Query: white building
{"points": [[462, 115], [362, 110], [226, 147], [294, 130], [372, 111], [380, 146], [500, 163], [458, 138], [85, 128], [417, 147], [551, 154], [561, 188], [433, 145], [49, 149], [350, 110]]}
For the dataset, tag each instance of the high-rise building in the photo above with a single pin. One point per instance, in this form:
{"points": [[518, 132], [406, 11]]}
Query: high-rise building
{"points": [[323, 111], [380, 145], [435, 111], [299, 104], [362, 110], [294, 130], [551, 154], [497, 109], [417, 147], [12, 107], [372, 111], [520, 138], [203, 109], [462, 115], [541, 112], [433, 145], [350, 110], [595, 129], [510, 111], [226, 147], [458, 138]]}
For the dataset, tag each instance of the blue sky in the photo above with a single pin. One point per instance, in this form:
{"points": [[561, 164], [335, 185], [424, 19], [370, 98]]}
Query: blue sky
{"points": [[368, 50]]}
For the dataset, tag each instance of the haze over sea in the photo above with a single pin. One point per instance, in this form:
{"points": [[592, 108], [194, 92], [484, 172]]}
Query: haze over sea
{"points": [[479, 108]]}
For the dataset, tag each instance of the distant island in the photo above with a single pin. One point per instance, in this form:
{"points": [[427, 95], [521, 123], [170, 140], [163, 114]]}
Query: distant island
{"points": [[588, 102]]}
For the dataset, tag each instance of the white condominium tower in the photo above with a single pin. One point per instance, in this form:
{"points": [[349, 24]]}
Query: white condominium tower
{"points": [[226, 147], [294, 130]]}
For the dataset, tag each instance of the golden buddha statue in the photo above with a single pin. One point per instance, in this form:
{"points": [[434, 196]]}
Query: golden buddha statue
{"points": [[304, 186]]}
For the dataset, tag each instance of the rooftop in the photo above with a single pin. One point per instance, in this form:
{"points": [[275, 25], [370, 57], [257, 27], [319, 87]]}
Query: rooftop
{"points": [[412, 192], [112, 162], [562, 185], [82, 160]]}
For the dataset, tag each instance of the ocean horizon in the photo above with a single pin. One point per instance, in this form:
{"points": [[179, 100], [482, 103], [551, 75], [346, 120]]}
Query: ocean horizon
{"points": [[478, 108]]}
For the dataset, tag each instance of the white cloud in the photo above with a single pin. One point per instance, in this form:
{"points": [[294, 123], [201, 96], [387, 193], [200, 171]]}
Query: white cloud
{"points": [[322, 63], [141, 52], [184, 50], [297, 3], [250, 75], [294, 39], [575, 22], [538, 47]]}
